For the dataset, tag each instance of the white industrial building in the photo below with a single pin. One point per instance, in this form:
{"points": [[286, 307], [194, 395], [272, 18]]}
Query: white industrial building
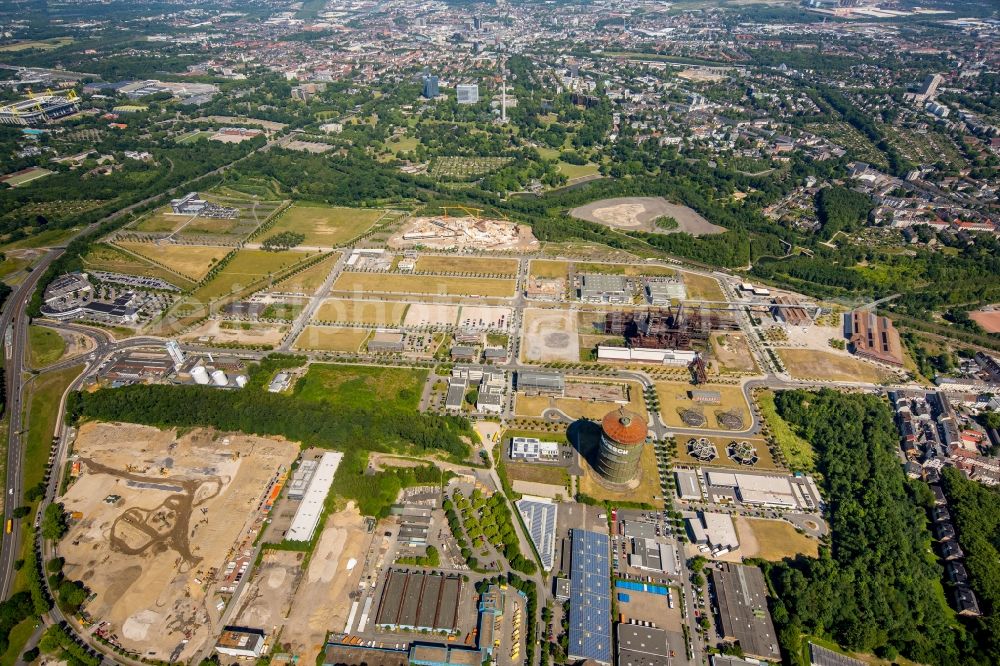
{"points": [[688, 488], [715, 530], [758, 490], [307, 516], [529, 448], [664, 356], [652, 555], [297, 487]]}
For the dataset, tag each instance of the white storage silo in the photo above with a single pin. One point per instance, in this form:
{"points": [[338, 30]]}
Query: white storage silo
{"points": [[219, 378], [241, 380], [200, 374]]}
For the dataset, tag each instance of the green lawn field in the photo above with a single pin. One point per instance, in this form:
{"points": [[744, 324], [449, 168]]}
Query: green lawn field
{"points": [[45, 346], [246, 268], [359, 386], [325, 226]]}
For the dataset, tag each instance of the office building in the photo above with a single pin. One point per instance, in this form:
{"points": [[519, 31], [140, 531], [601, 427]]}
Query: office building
{"points": [[929, 87], [531, 449], [387, 342], [431, 86], [189, 204], [457, 388], [468, 93], [492, 388]]}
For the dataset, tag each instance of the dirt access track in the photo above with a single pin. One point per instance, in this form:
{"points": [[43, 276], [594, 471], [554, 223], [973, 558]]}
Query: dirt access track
{"points": [[641, 213], [157, 517]]}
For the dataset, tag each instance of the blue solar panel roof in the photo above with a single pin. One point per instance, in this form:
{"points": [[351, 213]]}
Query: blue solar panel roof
{"points": [[590, 597]]}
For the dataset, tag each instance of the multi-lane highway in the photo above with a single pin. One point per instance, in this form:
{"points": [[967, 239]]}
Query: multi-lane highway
{"points": [[13, 317]]}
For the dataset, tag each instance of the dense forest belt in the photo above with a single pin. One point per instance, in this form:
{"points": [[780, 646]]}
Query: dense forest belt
{"points": [[877, 587], [354, 431]]}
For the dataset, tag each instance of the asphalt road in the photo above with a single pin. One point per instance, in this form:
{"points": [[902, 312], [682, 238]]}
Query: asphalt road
{"points": [[13, 315]]}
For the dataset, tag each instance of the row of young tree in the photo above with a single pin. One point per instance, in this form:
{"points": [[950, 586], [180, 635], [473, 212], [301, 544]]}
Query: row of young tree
{"points": [[876, 588]]}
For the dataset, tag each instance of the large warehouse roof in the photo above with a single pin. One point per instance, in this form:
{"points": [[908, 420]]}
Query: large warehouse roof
{"points": [[539, 515], [687, 485], [420, 600], [590, 597], [307, 516], [642, 646], [757, 488], [743, 614]]}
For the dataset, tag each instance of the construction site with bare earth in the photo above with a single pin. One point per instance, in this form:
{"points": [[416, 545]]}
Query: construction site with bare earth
{"points": [[155, 516]]}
